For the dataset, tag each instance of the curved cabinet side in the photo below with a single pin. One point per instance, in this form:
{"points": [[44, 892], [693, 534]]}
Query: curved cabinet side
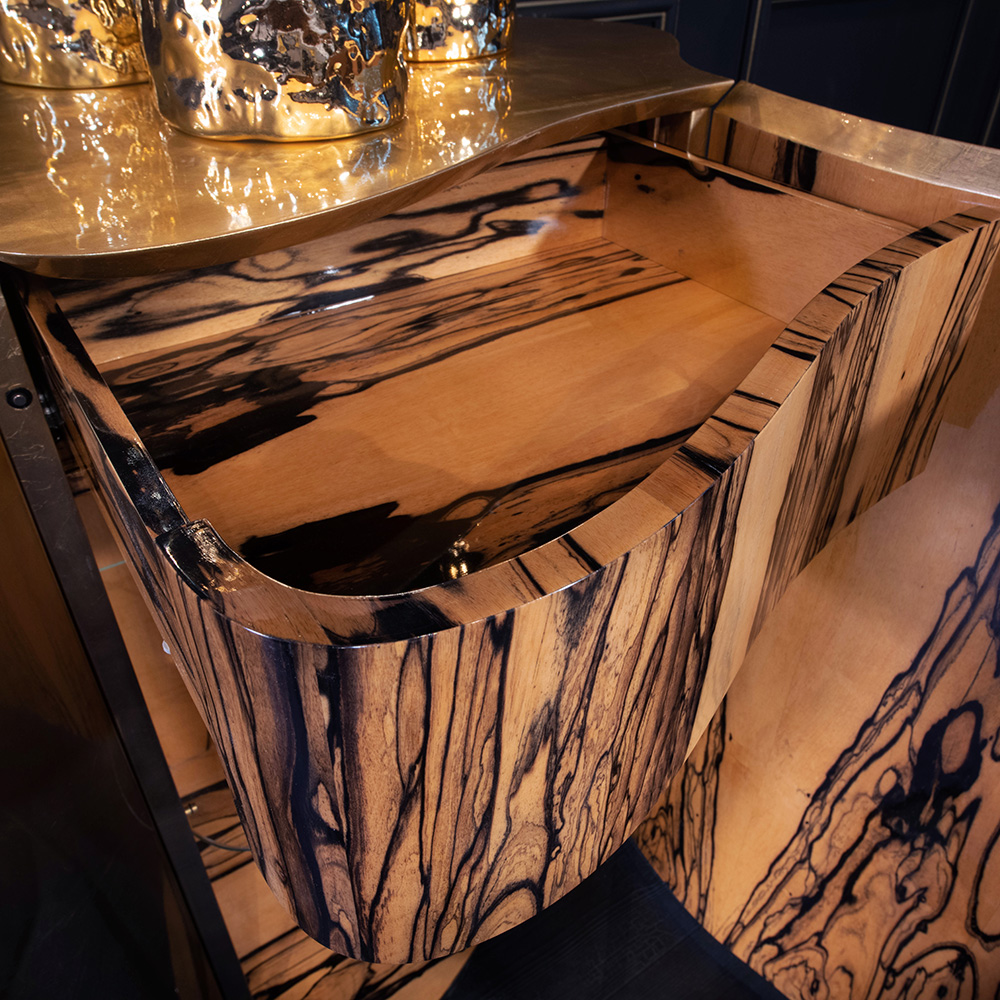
{"points": [[409, 797]]}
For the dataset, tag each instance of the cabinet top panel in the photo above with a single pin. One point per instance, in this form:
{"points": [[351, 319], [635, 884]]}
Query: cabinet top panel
{"points": [[96, 184]]}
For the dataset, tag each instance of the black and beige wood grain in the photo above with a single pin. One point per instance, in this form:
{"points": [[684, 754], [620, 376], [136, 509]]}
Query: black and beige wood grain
{"points": [[871, 868], [279, 960], [266, 399], [421, 770], [551, 197], [503, 292]]}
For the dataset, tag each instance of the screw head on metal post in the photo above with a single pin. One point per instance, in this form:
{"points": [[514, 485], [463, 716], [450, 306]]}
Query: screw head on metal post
{"points": [[19, 397]]}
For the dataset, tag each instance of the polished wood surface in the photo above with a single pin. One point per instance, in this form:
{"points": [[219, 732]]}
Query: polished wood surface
{"points": [[888, 575], [490, 455], [418, 772], [636, 392], [499, 478], [280, 962], [759, 242], [838, 824], [540, 201], [96, 184]]}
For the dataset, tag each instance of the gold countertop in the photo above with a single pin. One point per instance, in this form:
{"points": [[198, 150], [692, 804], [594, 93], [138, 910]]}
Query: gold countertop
{"points": [[96, 184]]}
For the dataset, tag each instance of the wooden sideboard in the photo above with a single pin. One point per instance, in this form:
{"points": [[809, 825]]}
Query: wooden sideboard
{"points": [[459, 519]]}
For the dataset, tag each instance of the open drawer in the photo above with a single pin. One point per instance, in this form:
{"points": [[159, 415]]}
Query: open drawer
{"points": [[459, 523]]}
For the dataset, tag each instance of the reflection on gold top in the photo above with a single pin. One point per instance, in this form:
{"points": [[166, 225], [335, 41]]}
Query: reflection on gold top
{"points": [[130, 189], [106, 198], [70, 43], [440, 30], [276, 69], [96, 183], [460, 108]]}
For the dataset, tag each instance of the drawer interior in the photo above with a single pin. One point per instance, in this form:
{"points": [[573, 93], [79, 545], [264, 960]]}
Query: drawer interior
{"points": [[454, 385]]}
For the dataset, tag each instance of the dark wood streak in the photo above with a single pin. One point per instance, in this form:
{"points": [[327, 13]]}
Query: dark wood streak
{"points": [[793, 353], [325, 975], [678, 837], [918, 823], [753, 398], [338, 270], [621, 150], [272, 376], [824, 492], [882, 846], [197, 407], [988, 863], [791, 163], [381, 550], [290, 962]]}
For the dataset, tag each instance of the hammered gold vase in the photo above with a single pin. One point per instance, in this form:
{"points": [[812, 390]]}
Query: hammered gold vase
{"points": [[80, 44], [444, 31], [276, 69]]}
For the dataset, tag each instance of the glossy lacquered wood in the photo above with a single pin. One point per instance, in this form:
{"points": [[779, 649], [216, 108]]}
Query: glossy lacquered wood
{"points": [[496, 452], [492, 455], [489, 455], [417, 772], [838, 824], [96, 184], [278, 959], [756, 240], [543, 200]]}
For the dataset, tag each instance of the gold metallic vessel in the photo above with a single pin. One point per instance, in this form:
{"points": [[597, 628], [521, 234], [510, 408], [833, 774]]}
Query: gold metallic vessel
{"points": [[78, 44], [441, 31], [276, 69]]}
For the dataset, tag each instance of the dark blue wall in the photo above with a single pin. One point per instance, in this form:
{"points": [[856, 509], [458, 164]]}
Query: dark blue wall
{"points": [[929, 65]]}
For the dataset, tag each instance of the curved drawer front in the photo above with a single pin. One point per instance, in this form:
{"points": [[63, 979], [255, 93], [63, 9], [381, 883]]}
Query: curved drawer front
{"points": [[420, 772]]}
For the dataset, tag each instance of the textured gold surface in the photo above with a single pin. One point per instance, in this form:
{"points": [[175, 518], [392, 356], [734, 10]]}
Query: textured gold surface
{"points": [[62, 43], [276, 69], [440, 30], [477, 93], [97, 184]]}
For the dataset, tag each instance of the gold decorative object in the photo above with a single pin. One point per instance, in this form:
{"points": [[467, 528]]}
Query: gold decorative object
{"points": [[62, 43], [440, 31], [276, 69]]}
